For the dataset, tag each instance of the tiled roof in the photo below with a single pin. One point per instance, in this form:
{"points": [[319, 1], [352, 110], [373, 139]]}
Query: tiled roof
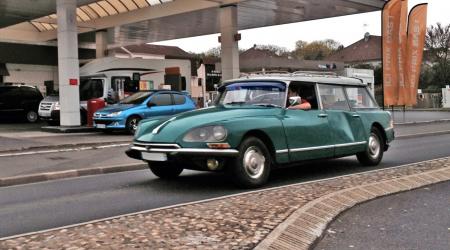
{"points": [[360, 51]]}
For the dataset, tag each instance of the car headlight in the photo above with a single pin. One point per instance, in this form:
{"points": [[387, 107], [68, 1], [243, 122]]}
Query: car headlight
{"points": [[113, 114], [57, 106], [206, 134]]}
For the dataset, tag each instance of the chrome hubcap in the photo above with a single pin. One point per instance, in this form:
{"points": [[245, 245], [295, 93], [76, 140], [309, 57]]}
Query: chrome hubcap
{"points": [[374, 146], [254, 161]]}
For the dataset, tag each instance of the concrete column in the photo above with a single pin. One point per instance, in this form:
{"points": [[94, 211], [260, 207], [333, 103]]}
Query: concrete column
{"points": [[229, 46], [101, 42], [68, 64]]}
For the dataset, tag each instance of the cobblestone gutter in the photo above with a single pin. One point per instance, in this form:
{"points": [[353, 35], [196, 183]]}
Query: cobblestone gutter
{"points": [[290, 217]]}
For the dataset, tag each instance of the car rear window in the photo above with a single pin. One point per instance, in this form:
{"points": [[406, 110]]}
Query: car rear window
{"points": [[179, 99], [360, 98]]}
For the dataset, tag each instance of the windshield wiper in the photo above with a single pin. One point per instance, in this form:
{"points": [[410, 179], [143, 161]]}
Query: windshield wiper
{"points": [[267, 105]]}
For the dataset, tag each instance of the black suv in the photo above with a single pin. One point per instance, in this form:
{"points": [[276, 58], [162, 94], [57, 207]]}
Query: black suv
{"points": [[20, 100]]}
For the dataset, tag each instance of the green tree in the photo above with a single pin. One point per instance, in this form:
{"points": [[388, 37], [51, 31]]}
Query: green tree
{"points": [[316, 50], [437, 45]]}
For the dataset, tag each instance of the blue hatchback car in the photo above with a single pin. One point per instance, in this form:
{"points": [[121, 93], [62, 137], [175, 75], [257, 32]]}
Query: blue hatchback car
{"points": [[141, 105]]}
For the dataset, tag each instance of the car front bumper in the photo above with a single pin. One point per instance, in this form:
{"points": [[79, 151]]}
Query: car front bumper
{"points": [[135, 151], [109, 123]]}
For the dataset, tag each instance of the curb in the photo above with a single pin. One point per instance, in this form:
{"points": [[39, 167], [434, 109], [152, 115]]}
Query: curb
{"points": [[421, 122], [62, 129], [50, 176], [303, 228], [408, 136], [63, 146]]}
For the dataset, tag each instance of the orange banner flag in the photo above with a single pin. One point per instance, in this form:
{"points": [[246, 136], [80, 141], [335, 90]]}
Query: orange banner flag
{"points": [[417, 27], [390, 31], [403, 94]]}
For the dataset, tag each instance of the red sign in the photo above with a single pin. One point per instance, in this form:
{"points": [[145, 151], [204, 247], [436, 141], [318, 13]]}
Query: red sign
{"points": [[73, 82]]}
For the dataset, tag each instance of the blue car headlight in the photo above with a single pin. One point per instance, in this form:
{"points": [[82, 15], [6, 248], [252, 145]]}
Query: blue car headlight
{"points": [[114, 114], [206, 134]]}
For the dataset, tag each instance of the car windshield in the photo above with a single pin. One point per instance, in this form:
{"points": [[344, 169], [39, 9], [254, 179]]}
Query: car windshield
{"points": [[136, 98], [267, 94]]}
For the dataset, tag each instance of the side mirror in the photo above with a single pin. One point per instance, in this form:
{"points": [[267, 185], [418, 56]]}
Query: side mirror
{"points": [[151, 104]]}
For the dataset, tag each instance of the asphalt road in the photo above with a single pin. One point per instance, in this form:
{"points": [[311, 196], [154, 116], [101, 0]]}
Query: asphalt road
{"points": [[412, 220], [46, 205]]}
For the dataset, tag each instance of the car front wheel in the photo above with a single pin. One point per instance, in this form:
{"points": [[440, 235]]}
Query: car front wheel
{"points": [[132, 124], [252, 167], [374, 151], [32, 116], [165, 170]]}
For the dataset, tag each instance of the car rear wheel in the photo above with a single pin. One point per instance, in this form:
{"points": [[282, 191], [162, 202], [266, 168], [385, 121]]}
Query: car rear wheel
{"points": [[32, 116], [374, 152], [132, 124], [165, 170], [252, 167]]}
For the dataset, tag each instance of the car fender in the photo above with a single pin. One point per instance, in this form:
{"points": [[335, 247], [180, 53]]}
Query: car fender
{"points": [[271, 126]]}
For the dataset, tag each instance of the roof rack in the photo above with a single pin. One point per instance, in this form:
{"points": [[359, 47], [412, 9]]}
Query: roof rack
{"points": [[265, 72], [318, 73]]}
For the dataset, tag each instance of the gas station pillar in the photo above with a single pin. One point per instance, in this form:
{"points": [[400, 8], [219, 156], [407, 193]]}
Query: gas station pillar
{"points": [[68, 64], [229, 42], [101, 43]]}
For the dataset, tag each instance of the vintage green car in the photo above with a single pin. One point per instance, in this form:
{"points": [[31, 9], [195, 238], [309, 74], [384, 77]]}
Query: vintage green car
{"points": [[253, 127]]}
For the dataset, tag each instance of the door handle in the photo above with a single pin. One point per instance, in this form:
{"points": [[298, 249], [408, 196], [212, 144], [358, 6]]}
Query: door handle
{"points": [[356, 116], [322, 115]]}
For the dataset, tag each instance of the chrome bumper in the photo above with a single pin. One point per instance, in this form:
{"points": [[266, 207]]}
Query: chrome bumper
{"points": [[175, 149]]}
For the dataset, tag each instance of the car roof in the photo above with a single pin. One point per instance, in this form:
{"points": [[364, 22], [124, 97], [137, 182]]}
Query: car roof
{"points": [[300, 77], [17, 85], [163, 91]]}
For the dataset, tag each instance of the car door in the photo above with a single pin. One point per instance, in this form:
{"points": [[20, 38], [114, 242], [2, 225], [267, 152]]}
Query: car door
{"points": [[346, 127], [308, 134], [162, 105]]}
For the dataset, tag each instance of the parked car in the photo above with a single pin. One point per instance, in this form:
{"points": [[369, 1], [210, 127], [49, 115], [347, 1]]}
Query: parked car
{"points": [[251, 129], [141, 105], [20, 101]]}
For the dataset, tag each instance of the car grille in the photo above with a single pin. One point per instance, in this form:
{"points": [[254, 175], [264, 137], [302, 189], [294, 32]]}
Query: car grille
{"points": [[45, 106], [106, 122], [97, 115]]}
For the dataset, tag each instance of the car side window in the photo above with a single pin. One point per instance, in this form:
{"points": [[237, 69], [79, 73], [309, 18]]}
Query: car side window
{"points": [[161, 99], [359, 97], [333, 97], [179, 99]]}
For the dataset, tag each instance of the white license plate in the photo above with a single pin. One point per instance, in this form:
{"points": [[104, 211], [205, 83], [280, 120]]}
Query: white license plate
{"points": [[100, 125], [154, 156]]}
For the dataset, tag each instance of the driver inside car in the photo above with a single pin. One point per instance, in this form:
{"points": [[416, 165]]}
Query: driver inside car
{"points": [[296, 102]]}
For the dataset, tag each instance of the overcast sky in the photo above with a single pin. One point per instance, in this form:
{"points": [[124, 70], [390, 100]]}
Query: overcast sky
{"points": [[346, 30]]}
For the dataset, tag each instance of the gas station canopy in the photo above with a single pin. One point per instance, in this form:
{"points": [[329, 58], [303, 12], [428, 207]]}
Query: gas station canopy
{"points": [[139, 21]]}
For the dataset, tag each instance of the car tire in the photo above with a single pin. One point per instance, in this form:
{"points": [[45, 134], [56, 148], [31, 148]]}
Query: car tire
{"points": [[32, 116], [252, 167], [374, 151], [132, 123], [165, 170]]}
